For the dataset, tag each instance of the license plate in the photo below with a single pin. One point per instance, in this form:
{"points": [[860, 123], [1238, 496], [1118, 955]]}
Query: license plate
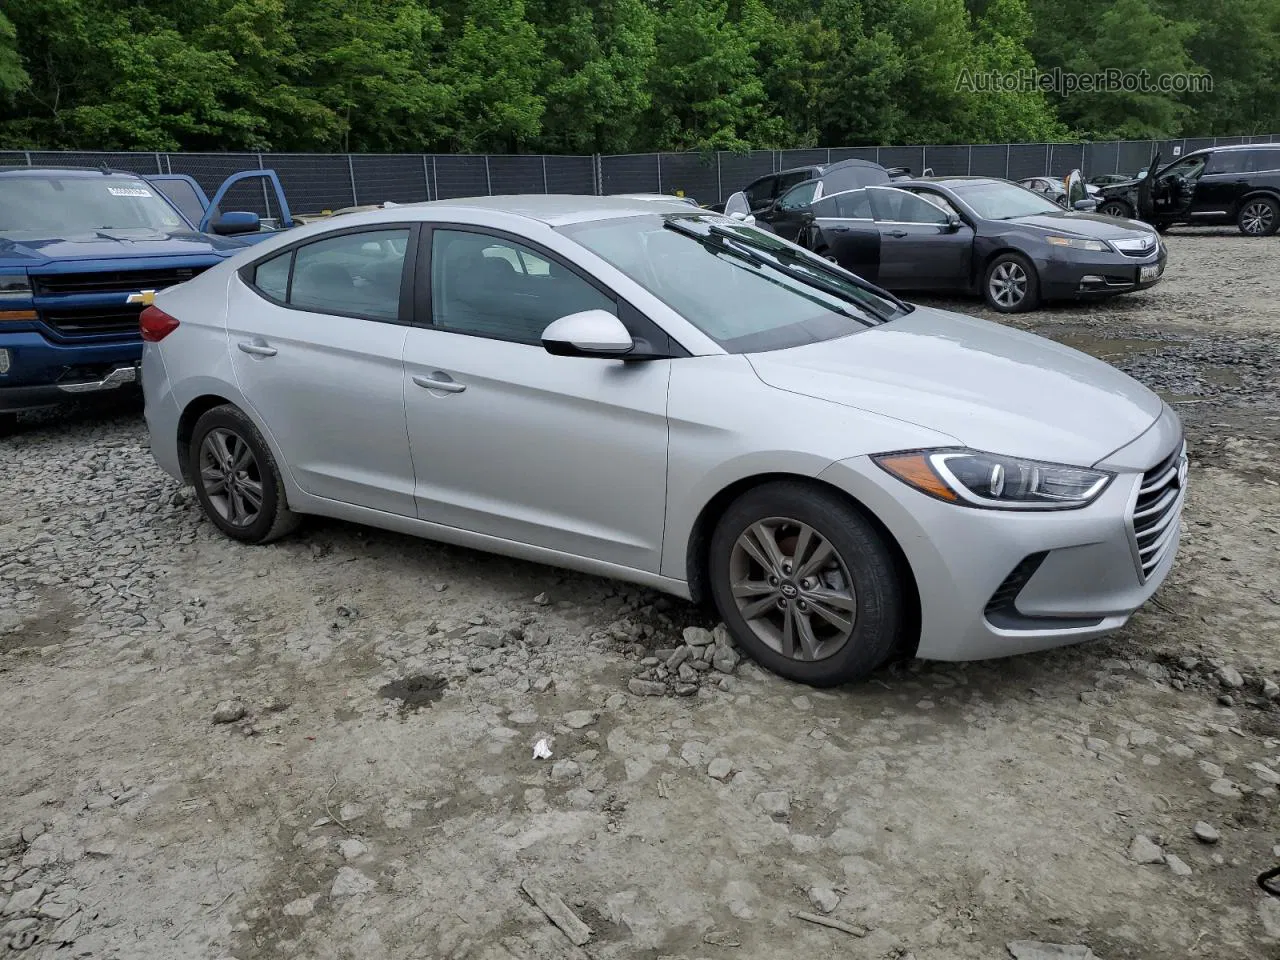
{"points": [[1150, 272]]}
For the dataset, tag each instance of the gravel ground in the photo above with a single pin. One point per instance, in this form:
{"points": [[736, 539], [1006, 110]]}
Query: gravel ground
{"points": [[324, 749]]}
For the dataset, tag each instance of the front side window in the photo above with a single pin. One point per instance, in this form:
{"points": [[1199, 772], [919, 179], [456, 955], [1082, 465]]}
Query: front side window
{"points": [[1188, 169], [898, 206], [722, 284], [799, 198], [355, 274], [54, 207], [493, 287], [854, 205]]}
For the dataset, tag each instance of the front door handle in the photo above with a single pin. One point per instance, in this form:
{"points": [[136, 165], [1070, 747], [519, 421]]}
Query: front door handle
{"points": [[440, 381], [897, 233], [257, 348], [840, 229]]}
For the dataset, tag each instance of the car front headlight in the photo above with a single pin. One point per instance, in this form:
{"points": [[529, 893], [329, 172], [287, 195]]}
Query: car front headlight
{"points": [[975, 479], [1076, 243]]}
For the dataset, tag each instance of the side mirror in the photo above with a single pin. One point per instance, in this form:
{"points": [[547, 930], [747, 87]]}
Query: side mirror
{"points": [[236, 221], [1087, 205], [591, 333], [746, 218], [954, 222]]}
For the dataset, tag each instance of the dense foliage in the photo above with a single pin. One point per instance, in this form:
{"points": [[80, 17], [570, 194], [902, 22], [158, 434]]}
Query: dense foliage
{"points": [[613, 76]]}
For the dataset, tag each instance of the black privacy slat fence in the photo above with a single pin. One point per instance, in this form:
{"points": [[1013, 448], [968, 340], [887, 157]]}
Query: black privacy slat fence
{"points": [[317, 182]]}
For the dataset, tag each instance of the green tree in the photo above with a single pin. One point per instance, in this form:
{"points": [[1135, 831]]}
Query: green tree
{"points": [[12, 76]]}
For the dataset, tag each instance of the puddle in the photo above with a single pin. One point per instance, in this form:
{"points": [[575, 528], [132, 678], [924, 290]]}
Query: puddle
{"points": [[415, 692], [1106, 348]]}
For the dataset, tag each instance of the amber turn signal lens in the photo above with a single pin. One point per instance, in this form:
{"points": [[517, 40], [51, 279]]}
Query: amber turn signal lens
{"points": [[17, 315], [914, 469]]}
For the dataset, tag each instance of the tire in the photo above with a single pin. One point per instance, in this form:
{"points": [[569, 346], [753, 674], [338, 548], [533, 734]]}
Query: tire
{"points": [[1116, 208], [826, 254], [1015, 282], [1163, 226], [858, 577], [225, 433], [1258, 217], [8, 423]]}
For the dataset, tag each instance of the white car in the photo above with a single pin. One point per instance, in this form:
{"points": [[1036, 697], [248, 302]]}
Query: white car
{"points": [[647, 391]]}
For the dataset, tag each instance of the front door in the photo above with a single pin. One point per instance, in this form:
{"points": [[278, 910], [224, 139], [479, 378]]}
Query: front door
{"points": [[565, 453], [793, 211], [921, 247], [1175, 188], [316, 336]]}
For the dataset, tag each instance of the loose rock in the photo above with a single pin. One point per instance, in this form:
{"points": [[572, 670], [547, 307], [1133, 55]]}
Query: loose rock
{"points": [[229, 711], [1205, 833], [577, 719], [1230, 677], [719, 769], [1177, 865], [352, 849], [350, 883], [646, 688], [776, 803], [1035, 950], [824, 899], [698, 637], [1143, 850], [565, 770]]}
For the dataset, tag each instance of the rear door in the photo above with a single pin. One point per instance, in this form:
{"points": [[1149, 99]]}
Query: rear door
{"points": [[920, 249], [844, 230], [564, 453], [1222, 185], [316, 335]]}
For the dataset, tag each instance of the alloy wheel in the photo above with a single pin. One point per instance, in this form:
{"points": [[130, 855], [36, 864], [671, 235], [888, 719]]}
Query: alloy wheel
{"points": [[230, 476], [1115, 210], [1008, 284], [793, 589], [1256, 218]]}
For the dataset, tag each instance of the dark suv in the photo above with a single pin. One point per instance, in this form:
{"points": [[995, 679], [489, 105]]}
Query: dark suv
{"points": [[1238, 184]]}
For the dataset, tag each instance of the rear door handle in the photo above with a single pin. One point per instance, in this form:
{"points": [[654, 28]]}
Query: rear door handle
{"points": [[440, 381], [840, 229], [257, 348], [897, 233]]}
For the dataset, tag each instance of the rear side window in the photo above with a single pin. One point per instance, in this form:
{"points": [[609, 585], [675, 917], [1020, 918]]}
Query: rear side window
{"points": [[354, 274], [1263, 160], [788, 180], [854, 205], [826, 208], [272, 276]]}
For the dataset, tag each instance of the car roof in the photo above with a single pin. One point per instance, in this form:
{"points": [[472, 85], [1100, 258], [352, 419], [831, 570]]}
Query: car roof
{"points": [[1239, 146], [560, 209], [953, 181], [79, 173]]}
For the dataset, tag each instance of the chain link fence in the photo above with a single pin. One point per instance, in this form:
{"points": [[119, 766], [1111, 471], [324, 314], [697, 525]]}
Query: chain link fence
{"points": [[317, 182]]}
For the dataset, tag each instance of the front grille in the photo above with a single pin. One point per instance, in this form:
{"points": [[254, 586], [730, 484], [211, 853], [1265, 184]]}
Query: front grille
{"points": [[111, 281], [1158, 509], [86, 323]]}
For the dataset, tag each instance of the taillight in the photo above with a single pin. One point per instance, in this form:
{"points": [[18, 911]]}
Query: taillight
{"points": [[156, 324]]}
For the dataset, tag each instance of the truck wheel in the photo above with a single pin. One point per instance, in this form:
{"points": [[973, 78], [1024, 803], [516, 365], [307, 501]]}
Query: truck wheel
{"points": [[1259, 217], [1116, 208]]}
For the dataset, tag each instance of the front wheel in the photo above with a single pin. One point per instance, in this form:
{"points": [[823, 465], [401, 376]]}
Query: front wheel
{"points": [[1115, 208], [236, 478], [1011, 284], [805, 584], [1259, 217]]}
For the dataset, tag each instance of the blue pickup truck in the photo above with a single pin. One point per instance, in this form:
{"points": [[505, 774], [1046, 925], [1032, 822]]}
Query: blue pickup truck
{"points": [[81, 253]]}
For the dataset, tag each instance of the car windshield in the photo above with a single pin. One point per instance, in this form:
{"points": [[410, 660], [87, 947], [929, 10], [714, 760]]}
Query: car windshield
{"points": [[746, 289], [53, 206], [995, 200]]}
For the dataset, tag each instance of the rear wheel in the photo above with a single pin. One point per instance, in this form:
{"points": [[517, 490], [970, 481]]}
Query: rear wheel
{"points": [[1011, 284], [1259, 217], [1116, 208], [236, 478], [805, 584]]}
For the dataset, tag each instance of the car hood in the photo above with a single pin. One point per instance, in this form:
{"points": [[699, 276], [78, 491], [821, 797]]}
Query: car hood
{"points": [[1093, 226], [988, 386], [27, 250]]}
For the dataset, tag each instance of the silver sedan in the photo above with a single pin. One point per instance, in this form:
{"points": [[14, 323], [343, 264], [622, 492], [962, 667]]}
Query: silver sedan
{"points": [[668, 396]]}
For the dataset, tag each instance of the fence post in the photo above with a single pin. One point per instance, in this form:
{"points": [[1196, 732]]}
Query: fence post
{"points": [[1007, 148], [545, 187], [719, 181], [597, 175], [924, 159], [435, 178], [658, 158], [426, 175], [159, 168], [969, 171], [828, 156], [27, 154], [351, 172], [168, 162], [878, 156], [1048, 159], [488, 178]]}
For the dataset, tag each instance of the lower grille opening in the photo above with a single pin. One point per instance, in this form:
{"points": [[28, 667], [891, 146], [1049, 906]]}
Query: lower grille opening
{"points": [[89, 323], [1001, 610], [1156, 513]]}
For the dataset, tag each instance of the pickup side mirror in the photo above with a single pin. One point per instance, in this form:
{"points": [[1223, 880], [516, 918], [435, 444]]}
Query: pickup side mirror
{"points": [[591, 333], [236, 221], [1088, 205]]}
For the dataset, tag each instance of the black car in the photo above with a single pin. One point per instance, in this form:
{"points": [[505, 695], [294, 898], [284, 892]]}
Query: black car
{"points": [[980, 235], [1066, 193], [776, 199], [1221, 185]]}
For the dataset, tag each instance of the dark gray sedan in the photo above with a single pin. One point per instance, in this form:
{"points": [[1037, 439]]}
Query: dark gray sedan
{"points": [[978, 235]]}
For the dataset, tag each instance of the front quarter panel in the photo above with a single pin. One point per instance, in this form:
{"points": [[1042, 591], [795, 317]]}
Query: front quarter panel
{"points": [[726, 426]]}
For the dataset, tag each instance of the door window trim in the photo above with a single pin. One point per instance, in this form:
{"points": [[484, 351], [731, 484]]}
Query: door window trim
{"points": [[638, 325], [404, 317]]}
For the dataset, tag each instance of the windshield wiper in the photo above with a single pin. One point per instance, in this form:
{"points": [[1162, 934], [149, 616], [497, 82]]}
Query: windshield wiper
{"points": [[785, 261]]}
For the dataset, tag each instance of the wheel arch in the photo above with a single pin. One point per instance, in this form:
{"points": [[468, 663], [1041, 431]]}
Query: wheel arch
{"points": [[192, 412], [1265, 193], [698, 559]]}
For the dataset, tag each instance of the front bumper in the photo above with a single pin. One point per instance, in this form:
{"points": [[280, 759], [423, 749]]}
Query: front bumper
{"points": [[1087, 584], [1086, 275], [44, 374]]}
